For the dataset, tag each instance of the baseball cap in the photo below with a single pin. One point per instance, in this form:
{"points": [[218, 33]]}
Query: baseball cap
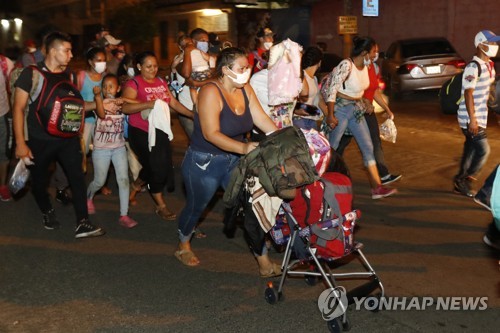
{"points": [[264, 32], [112, 40], [485, 36]]}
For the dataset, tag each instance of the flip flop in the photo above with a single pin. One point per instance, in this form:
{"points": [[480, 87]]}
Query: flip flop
{"points": [[185, 256], [275, 271]]}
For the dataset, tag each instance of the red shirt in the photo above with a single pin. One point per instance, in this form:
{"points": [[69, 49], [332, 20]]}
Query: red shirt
{"points": [[374, 79], [254, 62]]}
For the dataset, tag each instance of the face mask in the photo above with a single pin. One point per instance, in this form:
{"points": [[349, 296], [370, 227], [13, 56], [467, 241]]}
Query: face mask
{"points": [[367, 62], [241, 78], [100, 67], [31, 49], [267, 45], [130, 72], [376, 57], [492, 50], [202, 46]]}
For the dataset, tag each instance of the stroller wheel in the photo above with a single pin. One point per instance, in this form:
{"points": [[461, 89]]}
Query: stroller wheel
{"points": [[346, 326], [334, 325], [271, 295], [311, 280], [373, 301]]}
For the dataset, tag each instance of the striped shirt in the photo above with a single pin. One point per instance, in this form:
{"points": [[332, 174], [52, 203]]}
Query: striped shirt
{"points": [[481, 93]]}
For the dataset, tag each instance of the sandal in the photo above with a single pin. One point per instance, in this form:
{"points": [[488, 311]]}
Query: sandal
{"points": [[199, 234], [165, 214], [274, 272], [136, 187], [187, 257]]}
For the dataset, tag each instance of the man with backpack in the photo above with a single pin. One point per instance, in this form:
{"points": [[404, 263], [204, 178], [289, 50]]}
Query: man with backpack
{"points": [[54, 122], [472, 112]]}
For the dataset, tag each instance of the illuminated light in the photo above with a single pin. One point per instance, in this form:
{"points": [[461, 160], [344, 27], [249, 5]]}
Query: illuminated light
{"points": [[211, 12], [18, 21], [5, 24]]}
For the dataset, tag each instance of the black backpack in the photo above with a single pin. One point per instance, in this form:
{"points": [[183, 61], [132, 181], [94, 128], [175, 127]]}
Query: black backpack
{"points": [[59, 106], [450, 94]]}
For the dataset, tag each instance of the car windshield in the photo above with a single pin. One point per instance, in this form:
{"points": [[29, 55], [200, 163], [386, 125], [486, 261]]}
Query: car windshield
{"points": [[425, 48]]}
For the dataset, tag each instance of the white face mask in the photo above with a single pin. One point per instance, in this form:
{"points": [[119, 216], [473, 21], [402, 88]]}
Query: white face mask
{"points": [[376, 57], [267, 45], [492, 50], [100, 67], [367, 62], [130, 72], [241, 78], [31, 49], [202, 46]]}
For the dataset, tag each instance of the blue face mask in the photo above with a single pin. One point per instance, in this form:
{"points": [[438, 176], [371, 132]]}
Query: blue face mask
{"points": [[202, 46]]}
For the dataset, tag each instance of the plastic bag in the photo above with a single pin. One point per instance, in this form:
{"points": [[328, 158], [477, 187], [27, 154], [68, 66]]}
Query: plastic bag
{"points": [[388, 131], [19, 178]]}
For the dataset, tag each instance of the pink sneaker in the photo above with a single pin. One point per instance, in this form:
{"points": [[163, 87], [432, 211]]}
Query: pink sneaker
{"points": [[5, 193], [382, 192], [90, 206], [127, 222]]}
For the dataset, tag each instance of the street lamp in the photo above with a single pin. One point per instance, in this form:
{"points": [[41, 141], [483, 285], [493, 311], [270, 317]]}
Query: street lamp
{"points": [[5, 24]]}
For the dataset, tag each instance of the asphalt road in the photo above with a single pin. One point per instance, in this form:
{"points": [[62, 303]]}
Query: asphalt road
{"points": [[424, 242]]}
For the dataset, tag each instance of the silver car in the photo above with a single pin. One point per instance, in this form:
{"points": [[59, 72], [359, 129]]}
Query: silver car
{"points": [[419, 64]]}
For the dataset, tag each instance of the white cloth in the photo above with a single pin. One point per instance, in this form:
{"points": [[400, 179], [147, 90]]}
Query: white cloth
{"points": [[4, 98], [264, 206], [159, 118], [258, 81]]}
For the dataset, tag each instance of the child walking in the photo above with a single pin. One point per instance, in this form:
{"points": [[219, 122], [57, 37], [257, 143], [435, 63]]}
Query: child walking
{"points": [[109, 146]]}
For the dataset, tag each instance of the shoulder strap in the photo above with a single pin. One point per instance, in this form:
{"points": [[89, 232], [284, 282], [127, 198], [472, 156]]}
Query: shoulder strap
{"points": [[80, 80], [3, 64], [478, 67]]}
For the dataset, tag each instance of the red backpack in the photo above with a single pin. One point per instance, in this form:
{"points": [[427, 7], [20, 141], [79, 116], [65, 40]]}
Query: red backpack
{"points": [[59, 107], [318, 205]]}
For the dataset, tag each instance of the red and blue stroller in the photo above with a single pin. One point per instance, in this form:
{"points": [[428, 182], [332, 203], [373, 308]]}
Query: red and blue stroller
{"points": [[317, 227]]}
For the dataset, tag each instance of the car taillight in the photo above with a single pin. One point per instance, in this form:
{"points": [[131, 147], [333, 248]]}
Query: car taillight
{"points": [[409, 67], [457, 63]]}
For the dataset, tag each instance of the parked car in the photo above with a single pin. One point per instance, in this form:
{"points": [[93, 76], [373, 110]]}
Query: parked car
{"points": [[419, 64]]}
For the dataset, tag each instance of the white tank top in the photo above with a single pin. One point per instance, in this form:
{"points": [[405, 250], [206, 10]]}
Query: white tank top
{"points": [[356, 83]]}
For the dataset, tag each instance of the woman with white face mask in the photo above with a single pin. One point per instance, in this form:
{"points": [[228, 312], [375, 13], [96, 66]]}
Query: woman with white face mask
{"points": [[264, 41], [86, 81], [227, 109]]}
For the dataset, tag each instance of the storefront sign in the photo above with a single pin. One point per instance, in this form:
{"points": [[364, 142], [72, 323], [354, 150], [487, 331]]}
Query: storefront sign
{"points": [[348, 25]]}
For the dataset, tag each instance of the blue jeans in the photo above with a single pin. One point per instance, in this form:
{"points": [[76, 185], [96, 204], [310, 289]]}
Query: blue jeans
{"points": [[101, 159], [358, 128], [203, 174], [475, 154], [373, 127]]}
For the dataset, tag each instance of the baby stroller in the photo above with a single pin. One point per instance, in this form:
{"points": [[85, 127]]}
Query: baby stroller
{"points": [[318, 232]]}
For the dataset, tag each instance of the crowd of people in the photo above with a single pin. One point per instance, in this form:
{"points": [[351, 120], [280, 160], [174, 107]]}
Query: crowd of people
{"points": [[227, 100]]}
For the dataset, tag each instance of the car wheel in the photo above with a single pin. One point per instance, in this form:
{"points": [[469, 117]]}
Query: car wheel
{"points": [[395, 94]]}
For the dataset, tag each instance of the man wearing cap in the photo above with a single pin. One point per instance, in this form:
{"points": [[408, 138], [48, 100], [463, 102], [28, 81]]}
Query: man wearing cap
{"points": [[109, 43], [265, 39], [473, 110]]}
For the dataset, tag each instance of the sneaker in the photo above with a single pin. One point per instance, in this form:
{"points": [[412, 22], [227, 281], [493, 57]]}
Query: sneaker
{"points": [[90, 206], [87, 229], [463, 187], [50, 221], [382, 192], [127, 222], [390, 179], [63, 197], [492, 236], [5, 193], [481, 199]]}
